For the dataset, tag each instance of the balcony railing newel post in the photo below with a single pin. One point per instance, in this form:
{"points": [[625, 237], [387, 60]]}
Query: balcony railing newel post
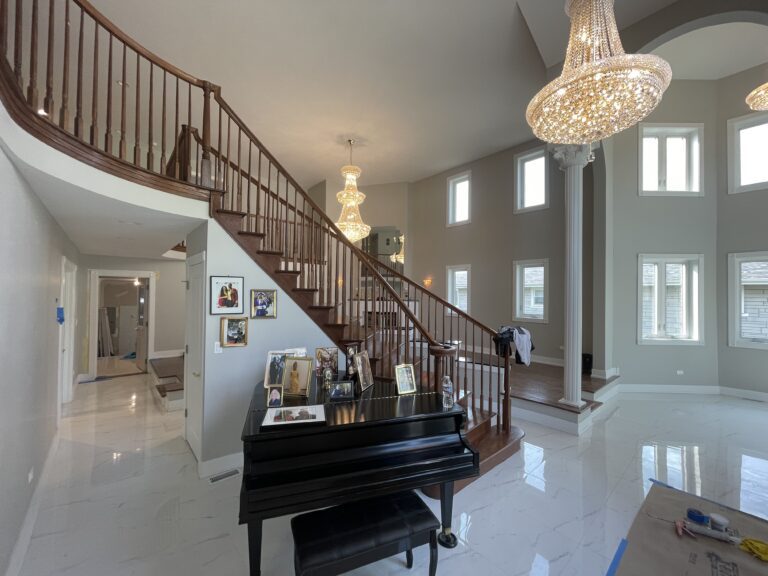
{"points": [[205, 167]]}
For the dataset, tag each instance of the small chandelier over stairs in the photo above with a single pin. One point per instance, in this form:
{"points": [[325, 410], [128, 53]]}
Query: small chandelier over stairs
{"points": [[350, 222], [399, 257], [601, 90], [758, 98]]}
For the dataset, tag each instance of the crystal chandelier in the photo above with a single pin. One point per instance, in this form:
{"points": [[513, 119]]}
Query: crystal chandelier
{"points": [[758, 98], [399, 258], [601, 90], [350, 222]]}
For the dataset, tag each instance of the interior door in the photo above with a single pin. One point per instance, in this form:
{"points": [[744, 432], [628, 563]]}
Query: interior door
{"points": [[193, 359], [68, 301]]}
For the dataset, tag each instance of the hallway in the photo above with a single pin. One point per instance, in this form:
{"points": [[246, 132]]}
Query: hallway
{"points": [[124, 497]]}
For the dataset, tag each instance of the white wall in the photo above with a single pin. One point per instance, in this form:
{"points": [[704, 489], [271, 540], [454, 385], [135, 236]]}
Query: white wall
{"points": [[31, 248], [230, 377]]}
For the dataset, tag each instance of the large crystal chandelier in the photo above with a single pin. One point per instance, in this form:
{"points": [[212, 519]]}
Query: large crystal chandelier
{"points": [[399, 257], [601, 90], [758, 98], [350, 222]]}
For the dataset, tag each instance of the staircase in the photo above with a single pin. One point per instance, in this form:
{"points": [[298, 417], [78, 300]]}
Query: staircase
{"points": [[75, 81]]}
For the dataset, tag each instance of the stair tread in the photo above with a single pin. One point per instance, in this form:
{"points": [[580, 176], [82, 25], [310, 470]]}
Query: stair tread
{"points": [[248, 233], [276, 252], [297, 289], [292, 272], [233, 212], [325, 307]]}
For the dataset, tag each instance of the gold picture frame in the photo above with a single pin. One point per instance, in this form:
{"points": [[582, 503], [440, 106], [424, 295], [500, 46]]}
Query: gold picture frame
{"points": [[263, 304], [363, 369], [405, 378], [234, 331]]}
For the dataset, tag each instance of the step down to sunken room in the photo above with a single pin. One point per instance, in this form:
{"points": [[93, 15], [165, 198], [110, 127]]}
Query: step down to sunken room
{"points": [[167, 382]]}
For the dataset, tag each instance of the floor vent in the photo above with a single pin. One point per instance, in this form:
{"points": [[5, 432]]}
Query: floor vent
{"points": [[224, 475]]}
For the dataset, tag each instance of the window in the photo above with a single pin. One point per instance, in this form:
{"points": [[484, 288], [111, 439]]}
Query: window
{"points": [[459, 192], [670, 301], [531, 291], [748, 300], [747, 143], [459, 285], [670, 159], [531, 184]]}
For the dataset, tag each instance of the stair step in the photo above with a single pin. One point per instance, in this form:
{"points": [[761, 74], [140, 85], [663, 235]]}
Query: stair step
{"points": [[288, 272], [270, 252], [336, 324], [256, 234], [306, 290], [231, 212], [321, 307]]}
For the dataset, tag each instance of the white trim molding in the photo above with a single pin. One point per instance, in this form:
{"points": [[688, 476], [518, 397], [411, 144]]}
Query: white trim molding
{"points": [[518, 304], [451, 183], [519, 161], [735, 312], [694, 136], [735, 125]]}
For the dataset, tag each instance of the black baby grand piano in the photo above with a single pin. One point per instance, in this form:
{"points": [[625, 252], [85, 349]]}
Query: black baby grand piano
{"points": [[378, 444]]}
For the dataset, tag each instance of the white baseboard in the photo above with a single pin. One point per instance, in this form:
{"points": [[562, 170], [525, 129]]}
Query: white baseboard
{"points": [[547, 360], [208, 468], [746, 394], [668, 389], [166, 354], [83, 378], [25, 534], [605, 374]]}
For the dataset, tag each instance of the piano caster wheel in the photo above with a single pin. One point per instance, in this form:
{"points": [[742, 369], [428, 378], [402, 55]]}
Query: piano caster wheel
{"points": [[447, 540]]}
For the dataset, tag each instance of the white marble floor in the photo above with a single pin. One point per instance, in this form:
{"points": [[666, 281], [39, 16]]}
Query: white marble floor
{"points": [[124, 497]]}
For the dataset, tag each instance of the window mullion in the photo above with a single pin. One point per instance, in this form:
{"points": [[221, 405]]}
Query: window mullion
{"points": [[662, 163]]}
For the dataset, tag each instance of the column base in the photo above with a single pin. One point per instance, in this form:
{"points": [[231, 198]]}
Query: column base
{"points": [[577, 404]]}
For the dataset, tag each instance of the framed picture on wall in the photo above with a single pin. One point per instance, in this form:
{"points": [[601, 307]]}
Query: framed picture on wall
{"points": [[263, 303], [234, 332], [226, 295]]}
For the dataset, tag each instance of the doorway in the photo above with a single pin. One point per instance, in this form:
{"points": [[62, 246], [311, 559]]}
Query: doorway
{"points": [[121, 310], [193, 359], [67, 317]]}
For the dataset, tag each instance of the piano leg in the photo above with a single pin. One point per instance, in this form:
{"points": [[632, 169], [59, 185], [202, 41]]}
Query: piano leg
{"points": [[254, 546], [446, 538]]}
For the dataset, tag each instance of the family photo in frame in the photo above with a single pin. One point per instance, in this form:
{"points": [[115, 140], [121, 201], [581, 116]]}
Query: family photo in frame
{"points": [[234, 332], [263, 304], [274, 396], [363, 369], [297, 375], [226, 295], [405, 378]]}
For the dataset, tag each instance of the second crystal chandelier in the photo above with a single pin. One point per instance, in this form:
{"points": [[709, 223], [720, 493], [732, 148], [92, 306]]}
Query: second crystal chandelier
{"points": [[350, 222]]}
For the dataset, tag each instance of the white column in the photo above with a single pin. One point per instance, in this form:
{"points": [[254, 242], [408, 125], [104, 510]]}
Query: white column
{"points": [[572, 160]]}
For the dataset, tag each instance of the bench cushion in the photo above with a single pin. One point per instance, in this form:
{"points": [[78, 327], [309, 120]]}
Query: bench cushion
{"points": [[326, 536]]}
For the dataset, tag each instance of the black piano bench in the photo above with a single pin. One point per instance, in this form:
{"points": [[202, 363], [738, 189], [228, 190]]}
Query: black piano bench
{"points": [[341, 538]]}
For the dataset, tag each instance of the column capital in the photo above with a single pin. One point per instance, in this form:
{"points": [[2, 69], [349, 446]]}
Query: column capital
{"points": [[568, 155]]}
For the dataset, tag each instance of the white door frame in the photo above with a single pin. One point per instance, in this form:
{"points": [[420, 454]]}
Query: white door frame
{"points": [[66, 355], [196, 444], [93, 311]]}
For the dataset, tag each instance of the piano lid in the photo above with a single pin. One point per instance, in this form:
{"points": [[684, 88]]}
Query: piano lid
{"points": [[368, 410]]}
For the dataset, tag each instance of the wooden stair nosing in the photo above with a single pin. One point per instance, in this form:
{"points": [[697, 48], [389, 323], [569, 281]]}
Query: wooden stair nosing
{"points": [[247, 233], [231, 212]]}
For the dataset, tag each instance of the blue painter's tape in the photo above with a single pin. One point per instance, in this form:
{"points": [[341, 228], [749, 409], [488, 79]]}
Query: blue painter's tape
{"points": [[617, 558], [697, 516]]}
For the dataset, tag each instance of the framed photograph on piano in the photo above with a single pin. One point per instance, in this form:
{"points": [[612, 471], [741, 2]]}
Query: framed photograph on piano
{"points": [[363, 369], [314, 414], [406, 381], [297, 375]]}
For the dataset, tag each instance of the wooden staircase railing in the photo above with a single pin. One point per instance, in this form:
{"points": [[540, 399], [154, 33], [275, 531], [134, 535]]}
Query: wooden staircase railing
{"points": [[481, 372], [71, 77]]}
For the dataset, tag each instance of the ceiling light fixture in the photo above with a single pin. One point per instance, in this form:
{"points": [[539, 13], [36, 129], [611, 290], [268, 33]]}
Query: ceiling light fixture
{"points": [[350, 222], [601, 90], [399, 257], [758, 98]]}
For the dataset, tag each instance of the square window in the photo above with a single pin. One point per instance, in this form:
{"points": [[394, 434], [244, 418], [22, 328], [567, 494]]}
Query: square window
{"points": [[748, 300], [670, 159], [747, 143], [531, 184], [459, 285], [669, 299], [530, 293], [459, 199]]}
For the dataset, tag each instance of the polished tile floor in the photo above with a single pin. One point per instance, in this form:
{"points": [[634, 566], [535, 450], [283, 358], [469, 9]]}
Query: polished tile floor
{"points": [[124, 497]]}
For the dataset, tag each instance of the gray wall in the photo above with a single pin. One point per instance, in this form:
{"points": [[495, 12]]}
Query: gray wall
{"points": [[230, 377], [741, 227], [494, 238], [169, 308], [672, 225], [32, 247]]}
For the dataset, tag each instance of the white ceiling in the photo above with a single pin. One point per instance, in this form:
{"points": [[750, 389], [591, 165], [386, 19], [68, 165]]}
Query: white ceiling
{"points": [[100, 225], [550, 25], [717, 51]]}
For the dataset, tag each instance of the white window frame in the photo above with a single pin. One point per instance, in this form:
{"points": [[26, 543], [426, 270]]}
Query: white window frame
{"points": [[519, 160], [449, 289], [518, 298], [451, 204], [691, 132], [667, 340], [735, 125], [734, 301]]}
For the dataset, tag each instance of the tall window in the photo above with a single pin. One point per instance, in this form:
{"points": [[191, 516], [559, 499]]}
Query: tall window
{"points": [[748, 300], [459, 199], [531, 290], [670, 300], [747, 143], [459, 286], [531, 184], [670, 160]]}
